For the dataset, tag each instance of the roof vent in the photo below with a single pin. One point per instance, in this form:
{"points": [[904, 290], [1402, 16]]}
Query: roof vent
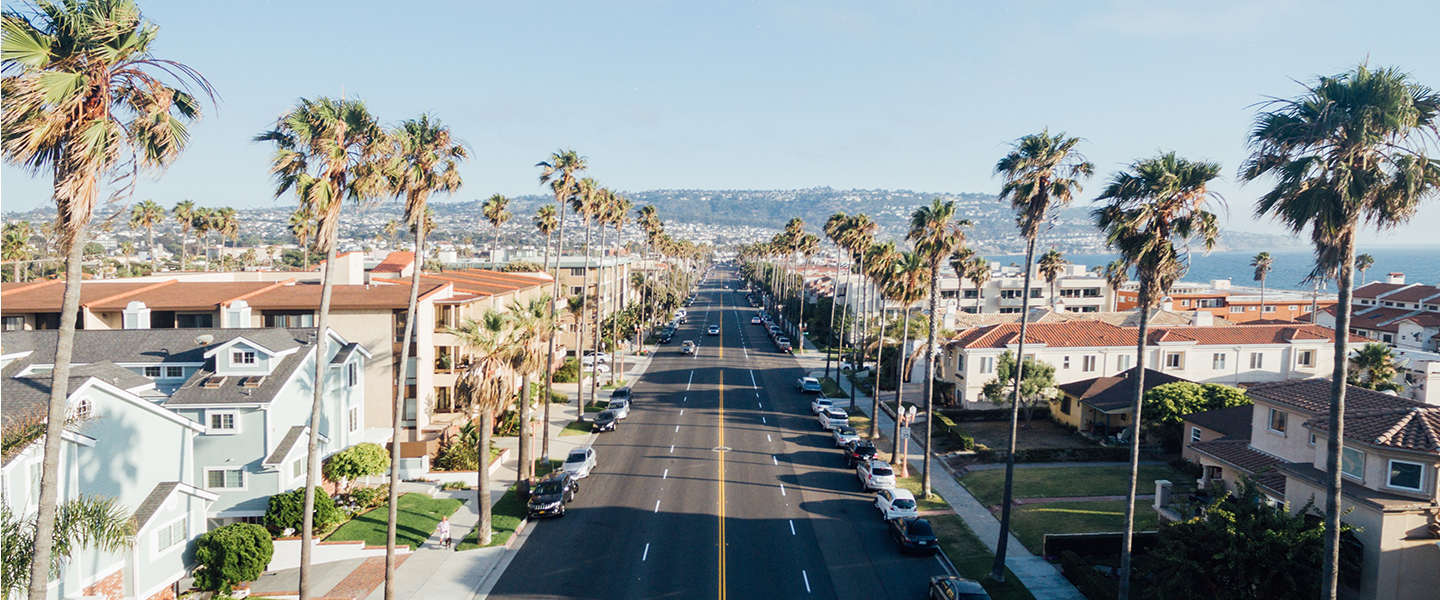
{"points": [[204, 339]]}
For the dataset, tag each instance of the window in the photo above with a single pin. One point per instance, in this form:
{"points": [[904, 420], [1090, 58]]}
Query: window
{"points": [[172, 535], [1277, 420], [351, 375], [152, 372], [297, 469], [221, 422], [194, 320], [1406, 475], [577, 271], [1293, 308], [242, 357], [225, 478], [1237, 309], [1122, 362], [82, 410], [291, 319], [1194, 434], [575, 290], [1065, 362], [1312, 439], [1352, 463], [174, 372], [1270, 309], [1087, 364], [1174, 360], [1306, 358], [354, 419], [1065, 404], [1184, 303], [1217, 361], [1214, 472], [1257, 360], [14, 323], [987, 364]]}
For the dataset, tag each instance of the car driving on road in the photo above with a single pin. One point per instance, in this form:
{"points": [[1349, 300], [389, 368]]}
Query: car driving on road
{"points": [[755, 320], [914, 535], [605, 421], [896, 504], [808, 385], [875, 475], [549, 497], [580, 462], [687, 347], [713, 330]]}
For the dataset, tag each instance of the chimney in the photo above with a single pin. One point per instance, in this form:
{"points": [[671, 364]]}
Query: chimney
{"points": [[1396, 277], [1202, 318], [135, 316], [237, 314]]}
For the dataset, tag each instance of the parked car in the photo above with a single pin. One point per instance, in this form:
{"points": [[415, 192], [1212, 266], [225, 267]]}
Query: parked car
{"points": [[774, 330], [605, 421], [622, 393], [755, 320], [808, 385], [844, 435], [875, 475], [833, 418], [580, 462], [950, 587], [665, 335], [590, 355], [859, 451], [782, 344], [896, 503], [549, 497], [619, 406], [819, 405], [713, 330], [914, 535], [687, 347]]}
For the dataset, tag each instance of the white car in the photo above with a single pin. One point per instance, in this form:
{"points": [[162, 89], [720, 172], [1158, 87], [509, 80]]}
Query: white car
{"points": [[619, 406], [590, 356], [714, 330], [896, 503], [844, 435], [820, 405], [580, 462], [875, 475], [755, 320], [597, 367], [832, 418]]}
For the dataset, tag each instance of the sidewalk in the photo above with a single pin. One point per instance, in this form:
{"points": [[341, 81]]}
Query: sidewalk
{"points": [[1039, 576], [435, 572]]}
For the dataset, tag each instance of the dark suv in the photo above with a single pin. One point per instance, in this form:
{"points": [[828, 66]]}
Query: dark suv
{"points": [[621, 394], [549, 497], [914, 536], [859, 450]]}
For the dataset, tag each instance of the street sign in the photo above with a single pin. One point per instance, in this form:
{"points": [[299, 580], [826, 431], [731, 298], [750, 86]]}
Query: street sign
{"points": [[905, 433]]}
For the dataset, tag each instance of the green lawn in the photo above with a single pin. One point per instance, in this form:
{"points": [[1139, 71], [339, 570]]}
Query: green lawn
{"points": [[831, 389], [416, 520], [576, 428], [912, 483], [973, 559], [1054, 482], [504, 520], [1031, 523]]}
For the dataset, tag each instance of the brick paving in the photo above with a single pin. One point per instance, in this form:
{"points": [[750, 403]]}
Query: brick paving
{"points": [[363, 580]]}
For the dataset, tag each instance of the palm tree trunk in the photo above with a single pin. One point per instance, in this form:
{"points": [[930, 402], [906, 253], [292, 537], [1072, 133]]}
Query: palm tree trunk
{"points": [[1262, 297], [495, 247], [846, 332], [554, 327], [527, 463], [312, 446], [879, 354], [930, 375], [16, 278], [900, 382], [305, 254], [55, 421], [599, 316], [484, 533], [150, 233], [184, 248], [834, 341], [1330, 571], [799, 346], [1136, 402], [997, 569], [398, 416], [580, 327]]}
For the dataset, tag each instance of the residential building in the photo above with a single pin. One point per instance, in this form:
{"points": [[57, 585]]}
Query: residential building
{"points": [[1235, 304], [1389, 463], [248, 390], [1230, 354], [1101, 405], [607, 277], [1396, 313]]}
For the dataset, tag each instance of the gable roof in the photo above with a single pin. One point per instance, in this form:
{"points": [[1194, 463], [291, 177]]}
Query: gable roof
{"points": [[1312, 396], [1413, 293], [1261, 467], [1112, 393], [126, 346], [1376, 289], [162, 491], [287, 444], [28, 396], [1399, 427], [1231, 422]]}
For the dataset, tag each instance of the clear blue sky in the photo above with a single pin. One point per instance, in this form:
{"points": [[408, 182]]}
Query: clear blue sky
{"points": [[916, 95]]}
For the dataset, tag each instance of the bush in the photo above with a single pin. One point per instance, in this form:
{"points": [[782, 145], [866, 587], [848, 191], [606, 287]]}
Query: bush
{"points": [[232, 554], [457, 456], [1092, 583], [537, 392], [509, 424], [994, 414], [286, 511], [454, 485], [949, 428], [369, 497], [568, 372], [360, 460]]}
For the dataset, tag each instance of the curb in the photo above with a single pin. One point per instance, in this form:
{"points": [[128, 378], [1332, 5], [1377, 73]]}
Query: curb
{"points": [[510, 543]]}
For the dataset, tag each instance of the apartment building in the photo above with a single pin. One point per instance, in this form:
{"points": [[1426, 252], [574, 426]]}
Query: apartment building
{"points": [[1229, 354], [1390, 463], [1396, 313], [1235, 304], [607, 276]]}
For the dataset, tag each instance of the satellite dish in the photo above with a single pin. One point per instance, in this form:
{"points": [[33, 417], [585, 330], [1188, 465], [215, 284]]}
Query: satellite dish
{"points": [[204, 340]]}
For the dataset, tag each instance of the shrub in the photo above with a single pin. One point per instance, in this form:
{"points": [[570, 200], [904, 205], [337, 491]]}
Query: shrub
{"points": [[370, 497], [568, 372], [286, 511], [457, 456], [454, 485], [357, 461], [949, 428], [231, 554], [509, 424], [1091, 582]]}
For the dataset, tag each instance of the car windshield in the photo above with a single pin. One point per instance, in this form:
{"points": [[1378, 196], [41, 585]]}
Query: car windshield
{"points": [[606, 415], [617, 404], [881, 472], [575, 458], [546, 488], [904, 503], [845, 431]]}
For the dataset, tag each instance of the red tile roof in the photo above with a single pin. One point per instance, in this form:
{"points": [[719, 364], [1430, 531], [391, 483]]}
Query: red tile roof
{"points": [[395, 262], [1376, 288], [1100, 334], [1414, 293], [1403, 427]]}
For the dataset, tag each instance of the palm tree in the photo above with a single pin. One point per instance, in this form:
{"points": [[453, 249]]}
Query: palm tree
{"points": [[201, 220], [619, 217], [84, 522], [806, 245], [1042, 172], [1158, 202], [530, 322], [1262, 264], [326, 150], [146, 215], [1363, 262], [881, 271], [1351, 147], [546, 222], [977, 271], [228, 225], [559, 172], [835, 229], [1374, 368], [425, 160], [859, 236], [495, 213], [909, 285], [17, 248], [184, 215], [585, 201], [302, 226], [1050, 265], [937, 233], [85, 102], [1116, 274], [483, 388]]}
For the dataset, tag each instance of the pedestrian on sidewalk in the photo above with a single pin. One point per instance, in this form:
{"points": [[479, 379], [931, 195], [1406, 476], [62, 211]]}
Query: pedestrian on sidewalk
{"points": [[444, 531]]}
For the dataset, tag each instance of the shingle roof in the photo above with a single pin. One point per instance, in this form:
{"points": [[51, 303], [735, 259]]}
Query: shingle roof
{"points": [[1402, 427], [1376, 288], [1099, 334], [1312, 396], [286, 444], [148, 345], [28, 396], [152, 502], [1231, 422], [1116, 392]]}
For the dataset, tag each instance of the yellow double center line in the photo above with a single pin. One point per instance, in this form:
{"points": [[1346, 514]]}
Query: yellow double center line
{"points": [[720, 450]]}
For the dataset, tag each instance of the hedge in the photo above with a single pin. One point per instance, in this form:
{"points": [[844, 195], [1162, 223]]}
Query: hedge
{"points": [[1089, 454], [949, 428]]}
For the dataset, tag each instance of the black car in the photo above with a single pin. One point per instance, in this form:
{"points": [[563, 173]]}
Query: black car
{"points": [[949, 587], [914, 535], [549, 497], [605, 421], [665, 335], [859, 450]]}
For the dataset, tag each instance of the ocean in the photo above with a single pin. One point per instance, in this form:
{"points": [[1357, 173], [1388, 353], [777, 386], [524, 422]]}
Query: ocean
{"points": [[1419, 264]]}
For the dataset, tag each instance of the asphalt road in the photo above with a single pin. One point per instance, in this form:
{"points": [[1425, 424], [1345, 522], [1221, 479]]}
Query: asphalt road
{"points": [[719, 484]]}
